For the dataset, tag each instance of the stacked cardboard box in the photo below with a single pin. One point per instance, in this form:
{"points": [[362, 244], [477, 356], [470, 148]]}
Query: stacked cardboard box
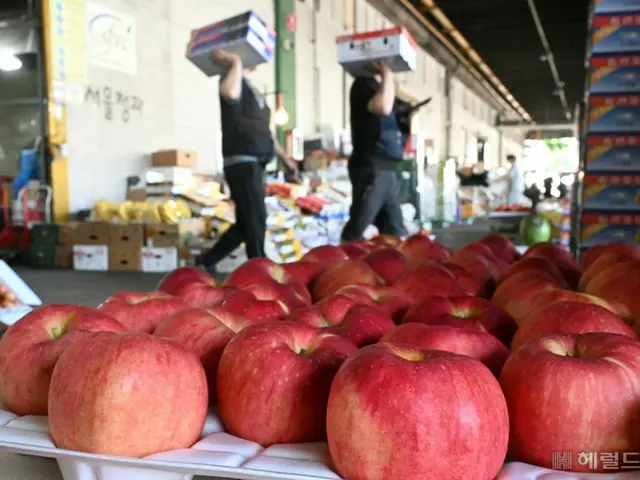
{"points": [[51, 246], [125, 247], [611, 189]]}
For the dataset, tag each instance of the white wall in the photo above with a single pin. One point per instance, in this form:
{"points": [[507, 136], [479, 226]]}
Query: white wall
{"points": [[180, 105]]}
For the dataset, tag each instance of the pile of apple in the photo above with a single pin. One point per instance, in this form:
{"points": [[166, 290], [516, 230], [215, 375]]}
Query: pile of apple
{"points": [[413, 362]]}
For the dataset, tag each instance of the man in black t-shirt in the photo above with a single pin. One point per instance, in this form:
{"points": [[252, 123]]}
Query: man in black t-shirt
{"points": [[378, 146], [247, 146]]}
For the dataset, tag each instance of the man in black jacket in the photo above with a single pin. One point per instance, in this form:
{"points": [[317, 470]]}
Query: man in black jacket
{"points": [[378, 146], [247, 146]]}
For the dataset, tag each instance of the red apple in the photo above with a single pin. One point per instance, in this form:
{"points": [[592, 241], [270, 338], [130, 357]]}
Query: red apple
{"points": [[501, 247], [466, 281], [387, 241], [478, 249], [395, 413], [390, 264], [128, 395], [204, 332], [350, 272], [606, 261], [244, 303], [482, 346], [141, 311], [548, 297], [202, 294], [30, 349], [573, 394], [560, 257], [179, 277], [361, 324], [304, 271], [464, 312], [354, 250], [621, 290], [274, 381], [593, 253], [479, 267], [522, 285], [389, 300], [428, 281], [274, 282], [572, 318], [326, 255], [532, 264], [419, 250]]}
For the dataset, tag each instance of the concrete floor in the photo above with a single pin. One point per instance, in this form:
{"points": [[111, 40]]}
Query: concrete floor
{"points": [[84, 288]]}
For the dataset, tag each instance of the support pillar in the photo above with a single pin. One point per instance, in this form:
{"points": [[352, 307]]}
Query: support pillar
{"points": [[285, 56]]}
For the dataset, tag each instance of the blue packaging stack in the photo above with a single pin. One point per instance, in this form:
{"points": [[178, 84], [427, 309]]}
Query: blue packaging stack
{"points": [[611, 184]]}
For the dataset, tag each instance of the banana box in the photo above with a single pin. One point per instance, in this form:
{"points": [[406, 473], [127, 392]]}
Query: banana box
{"points": [[616, 34], [611, 193], [613, 154], [618, 74], [612, 228], [614, 114], [616, 6]]}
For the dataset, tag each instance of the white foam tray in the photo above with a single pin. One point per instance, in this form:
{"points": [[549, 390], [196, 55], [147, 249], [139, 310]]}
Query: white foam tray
{"points": [[217, 455]]}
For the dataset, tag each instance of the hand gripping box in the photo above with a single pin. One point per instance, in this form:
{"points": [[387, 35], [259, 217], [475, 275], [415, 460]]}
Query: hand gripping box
{"points": [[394, 46], [245, 35], [610, 228], [613, 154], [614, 114], [616, 34], [611, 193], [618, 74]]}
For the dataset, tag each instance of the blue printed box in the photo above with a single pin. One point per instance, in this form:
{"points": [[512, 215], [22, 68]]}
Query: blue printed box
{"points": [[615, 75], [597, 229], [614, 114], [611, 193], [616, 6], [616, 34], [245, 35], [613, 154]]}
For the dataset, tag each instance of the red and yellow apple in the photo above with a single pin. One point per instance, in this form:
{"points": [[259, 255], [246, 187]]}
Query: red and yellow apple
{"points": [[129, 395], [469, 284], [274, 381], [501, 247], [244, 303], [349, 272], [389, 300], [428, 281], [141, 311], [200, 294], [401, 413], [534, 265], [573, 394], [304, 271], [420, 250], [482, 346], [179, 277], [389, 264], [560, 257], [30, 349], [326, 255], [468, 312], [204, 332]]}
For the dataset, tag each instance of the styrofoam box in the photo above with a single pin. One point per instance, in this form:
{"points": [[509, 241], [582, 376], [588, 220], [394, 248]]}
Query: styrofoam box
{"points": [[217, 455], [159, 259], [91, 258], [395, 46]]}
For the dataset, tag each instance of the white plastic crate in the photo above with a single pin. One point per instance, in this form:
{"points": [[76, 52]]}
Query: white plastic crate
{"points": [[218, 455]]}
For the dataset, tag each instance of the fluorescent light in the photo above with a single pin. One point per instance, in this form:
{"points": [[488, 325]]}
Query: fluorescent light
{"points": [[9, 62]]}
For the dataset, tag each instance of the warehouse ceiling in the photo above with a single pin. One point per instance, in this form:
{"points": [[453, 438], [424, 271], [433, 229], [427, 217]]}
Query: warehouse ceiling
{"points": [[504, 34]]}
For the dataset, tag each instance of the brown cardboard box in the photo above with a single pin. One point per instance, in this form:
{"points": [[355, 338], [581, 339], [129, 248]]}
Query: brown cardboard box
{"points": [[91, 233], [137, 195], [64, 256], [127, 235], [125, 259], [175, 158], [67, 233], [162, 235]]}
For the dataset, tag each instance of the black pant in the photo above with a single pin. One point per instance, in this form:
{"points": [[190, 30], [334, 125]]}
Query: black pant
{"points": [[246, 185], [374, 201]]}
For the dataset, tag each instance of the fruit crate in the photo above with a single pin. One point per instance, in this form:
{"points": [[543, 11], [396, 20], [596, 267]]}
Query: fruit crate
{"points": [[216, 455]]}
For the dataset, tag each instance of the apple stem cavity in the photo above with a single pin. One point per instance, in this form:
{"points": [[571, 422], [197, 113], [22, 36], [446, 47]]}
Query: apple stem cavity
{"points": [[57, 332]]}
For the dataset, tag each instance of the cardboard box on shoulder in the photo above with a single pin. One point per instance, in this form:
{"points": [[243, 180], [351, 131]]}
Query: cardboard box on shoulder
{"points": [[394, 46], [175, 158], [245, 35]]}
